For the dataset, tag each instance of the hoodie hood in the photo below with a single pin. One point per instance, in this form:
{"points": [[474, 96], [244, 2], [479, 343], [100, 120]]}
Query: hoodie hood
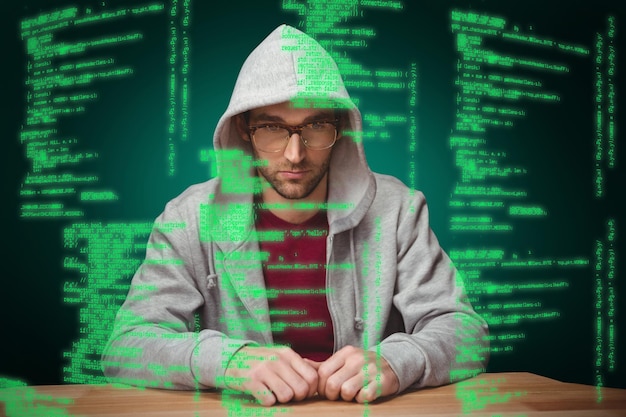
{"points": [[289, 65]]}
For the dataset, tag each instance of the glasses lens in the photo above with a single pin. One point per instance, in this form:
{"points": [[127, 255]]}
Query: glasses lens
{"points": [[271, 138], [319, 135], [274, 138]]}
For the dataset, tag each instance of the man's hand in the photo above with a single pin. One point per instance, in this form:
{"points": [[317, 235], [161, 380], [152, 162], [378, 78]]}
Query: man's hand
{"points": [[272, 374], [355, 374]]}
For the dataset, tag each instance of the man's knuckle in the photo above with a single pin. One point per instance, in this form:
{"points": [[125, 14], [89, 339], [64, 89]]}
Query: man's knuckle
{"points": [[348, 391], [283, 394], [333, 385], [370, 395], [310, 378], [355, 361], [264, 397], [265, 400], [301, 390], [324, 372]]}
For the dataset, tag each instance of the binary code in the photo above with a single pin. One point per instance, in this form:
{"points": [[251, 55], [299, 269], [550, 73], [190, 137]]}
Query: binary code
{"points": [[492, 202], [336, 26], [605, 303], [526, 102], [179, 66], [477, 395], [605, 248], [20, 400], [66, 79], [102, 259]]}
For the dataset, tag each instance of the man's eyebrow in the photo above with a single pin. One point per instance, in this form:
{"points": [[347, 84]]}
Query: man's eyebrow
{"points": [[267, 117], [272, 118]]}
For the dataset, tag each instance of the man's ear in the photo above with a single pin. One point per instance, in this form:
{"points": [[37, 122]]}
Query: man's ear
{"points": [[241, 124]]}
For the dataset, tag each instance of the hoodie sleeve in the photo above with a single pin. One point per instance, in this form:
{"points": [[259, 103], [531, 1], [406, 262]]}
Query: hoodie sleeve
{"points": [[155, 340], [445, 339]]}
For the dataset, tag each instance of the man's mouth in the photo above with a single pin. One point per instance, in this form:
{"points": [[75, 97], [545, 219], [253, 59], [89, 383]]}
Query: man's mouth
{"points": [[293, 174]]}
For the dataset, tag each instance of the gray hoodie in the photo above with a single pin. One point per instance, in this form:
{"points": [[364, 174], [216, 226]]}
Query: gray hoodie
{"points": [[200, 295]]}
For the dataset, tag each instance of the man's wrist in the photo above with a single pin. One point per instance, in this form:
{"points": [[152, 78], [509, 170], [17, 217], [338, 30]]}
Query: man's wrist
{"points": [[390, 376], [243, 350]]}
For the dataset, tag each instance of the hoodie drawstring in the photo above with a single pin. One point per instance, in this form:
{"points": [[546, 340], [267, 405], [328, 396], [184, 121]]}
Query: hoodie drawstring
{"points": [[358, 320]]}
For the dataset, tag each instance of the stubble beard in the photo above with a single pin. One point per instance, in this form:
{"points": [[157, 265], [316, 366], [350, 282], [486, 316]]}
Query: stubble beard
{"points": [[294, 189]]}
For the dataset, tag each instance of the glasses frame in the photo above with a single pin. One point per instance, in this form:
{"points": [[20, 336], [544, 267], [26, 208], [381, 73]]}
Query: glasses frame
{"points": [[294, 129]]}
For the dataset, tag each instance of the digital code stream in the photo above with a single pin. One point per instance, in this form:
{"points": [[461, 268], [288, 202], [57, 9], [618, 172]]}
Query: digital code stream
{"points": [[531, 205]]}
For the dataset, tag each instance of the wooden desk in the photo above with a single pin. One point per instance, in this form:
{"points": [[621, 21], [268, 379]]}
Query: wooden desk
{"points": [[501, 394]]}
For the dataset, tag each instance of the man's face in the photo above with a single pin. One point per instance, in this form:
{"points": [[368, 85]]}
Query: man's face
{"points": [[296, 172]]}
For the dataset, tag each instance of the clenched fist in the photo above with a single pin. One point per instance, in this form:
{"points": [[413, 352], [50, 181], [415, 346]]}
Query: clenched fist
{"points": [[355, 374], [272, 374]]}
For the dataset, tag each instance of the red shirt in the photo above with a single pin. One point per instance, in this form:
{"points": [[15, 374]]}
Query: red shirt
{"points": [[296, 272]]}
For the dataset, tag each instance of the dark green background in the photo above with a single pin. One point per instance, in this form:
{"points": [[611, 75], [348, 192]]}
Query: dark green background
{"points": [[127, 126]]}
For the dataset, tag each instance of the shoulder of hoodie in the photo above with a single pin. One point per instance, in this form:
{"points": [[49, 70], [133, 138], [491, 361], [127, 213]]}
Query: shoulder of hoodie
{"points": [[189, 201], [394, 191]]}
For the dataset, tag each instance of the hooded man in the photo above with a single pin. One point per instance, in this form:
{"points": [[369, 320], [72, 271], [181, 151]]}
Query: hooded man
{"points": [[296, 271]]}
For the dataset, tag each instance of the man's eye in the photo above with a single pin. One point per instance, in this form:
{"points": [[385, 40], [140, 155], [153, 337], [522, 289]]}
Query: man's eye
{"points": [[272, 128], [317, 125]]}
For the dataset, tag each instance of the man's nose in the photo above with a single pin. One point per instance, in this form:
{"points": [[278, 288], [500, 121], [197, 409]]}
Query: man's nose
{"points": [[295, 150]]}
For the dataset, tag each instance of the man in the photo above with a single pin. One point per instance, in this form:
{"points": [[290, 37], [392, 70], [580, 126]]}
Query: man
{"points": [[297, 271]]}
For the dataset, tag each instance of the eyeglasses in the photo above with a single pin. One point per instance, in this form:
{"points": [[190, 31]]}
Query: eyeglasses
{"points": [[274, 137]]}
